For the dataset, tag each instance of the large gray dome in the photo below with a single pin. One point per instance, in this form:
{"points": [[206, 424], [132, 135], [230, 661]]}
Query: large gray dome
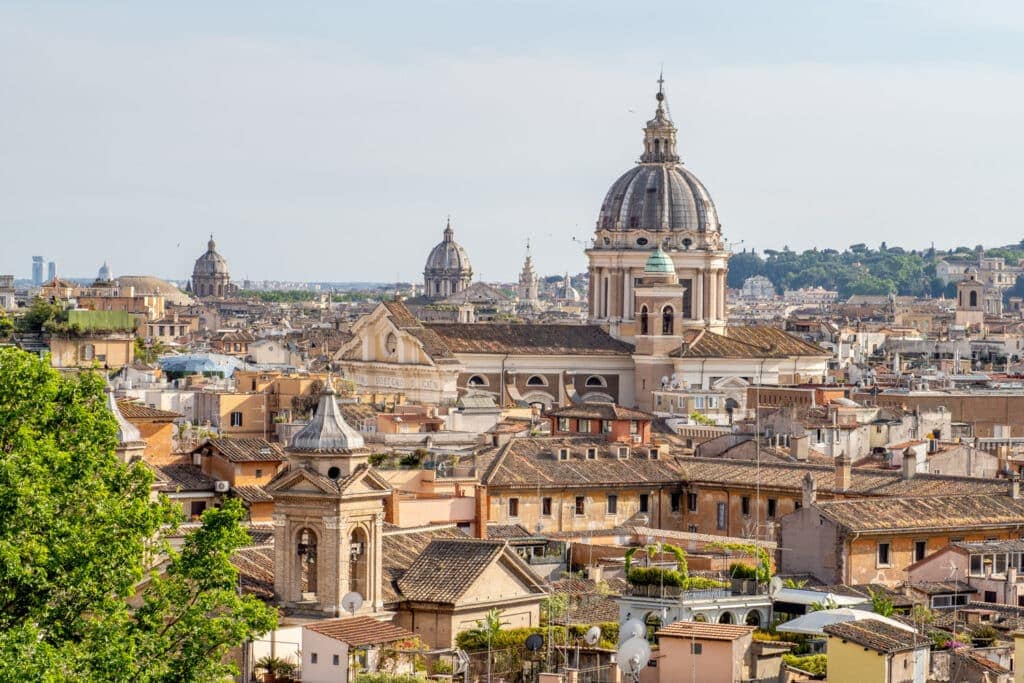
{"points": [[210, 263], [656, 196], [448, 257]]}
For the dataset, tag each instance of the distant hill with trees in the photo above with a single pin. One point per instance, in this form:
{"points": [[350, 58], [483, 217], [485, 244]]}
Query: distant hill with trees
{"points": [[859, 269]]}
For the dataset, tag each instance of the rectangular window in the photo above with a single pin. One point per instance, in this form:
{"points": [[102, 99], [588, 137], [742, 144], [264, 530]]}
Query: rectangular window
{"points": [[645, 502], [513, 507], [977, 566], [563, 424], [674, 502], [563, 453], [545, 507], [1000, 566], [884, 560], [773, 506], [584, 426], [581, 504], [335, 660], [990, 596], [236, 419], [312, 658], [698, 402], [259, 473], [623, 452], [696, 648], [197, 508], [723, 516], [591, 454], [692, 528], [606, 426], [745, 506], [691, 502], [634, 427], [920, 550], [653, 454], [613, 504]]}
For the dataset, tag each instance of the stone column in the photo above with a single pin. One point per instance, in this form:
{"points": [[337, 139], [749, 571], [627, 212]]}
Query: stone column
{"points": [[376, 574], [592, 292], [721, 294], [329, 563], [697, 296], [283, 584]]}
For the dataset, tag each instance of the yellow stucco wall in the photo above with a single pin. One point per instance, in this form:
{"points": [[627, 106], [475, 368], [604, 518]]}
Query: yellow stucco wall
{"points": [[852, 663]]}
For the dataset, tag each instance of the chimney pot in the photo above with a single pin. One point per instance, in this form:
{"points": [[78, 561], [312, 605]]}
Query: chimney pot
{"points": [[909, 464]]}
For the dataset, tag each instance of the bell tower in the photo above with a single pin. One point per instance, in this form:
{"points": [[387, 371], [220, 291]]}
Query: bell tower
{"points": [[328, 517], [661, 320]]}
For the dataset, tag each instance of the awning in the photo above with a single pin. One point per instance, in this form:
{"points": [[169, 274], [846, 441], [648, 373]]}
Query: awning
{"points": [[813, 623]]}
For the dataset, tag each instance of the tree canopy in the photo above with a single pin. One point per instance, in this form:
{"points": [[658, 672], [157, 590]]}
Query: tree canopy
{"points": [[82, 540]]}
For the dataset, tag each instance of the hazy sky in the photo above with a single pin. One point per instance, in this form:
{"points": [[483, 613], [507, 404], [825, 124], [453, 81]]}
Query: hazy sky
{"points": [[329, 140]]}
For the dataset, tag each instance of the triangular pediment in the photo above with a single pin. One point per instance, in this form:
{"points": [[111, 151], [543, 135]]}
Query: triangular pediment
{"points": [[364, 480], [301, 479], [507, 577]]}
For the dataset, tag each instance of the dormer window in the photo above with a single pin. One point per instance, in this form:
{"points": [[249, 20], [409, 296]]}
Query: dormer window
{"points": [[653, 454], [563, 453], [623, 452], [591, 454]]}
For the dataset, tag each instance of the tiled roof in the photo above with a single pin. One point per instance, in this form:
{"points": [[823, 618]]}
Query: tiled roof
{"points": [[982, 661], [705, 631], [867, 482], [401, 547], [255, 566], [545, 340], [575, 586], [446, 569], [534, 461], [923, 512], [139, 411], [592, 609], [244, 450], [433, 344], [510, 531], [942, 587], [1007, 546], [600, 411], [747, 342], [864, 590], [360, 631], [185, 478], [877, 635], [252, 494]]}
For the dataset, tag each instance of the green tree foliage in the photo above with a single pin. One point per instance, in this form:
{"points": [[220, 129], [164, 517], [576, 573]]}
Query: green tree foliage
{"points": [[816, 665], [149, 352], [41, 314], [881, 603], [79, 536]]}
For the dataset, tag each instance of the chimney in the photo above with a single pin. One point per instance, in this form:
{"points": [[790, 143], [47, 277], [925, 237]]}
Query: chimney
{"points": [[798, 447], [1015, 486], [810, 491], [843, 474], [909, 464]]}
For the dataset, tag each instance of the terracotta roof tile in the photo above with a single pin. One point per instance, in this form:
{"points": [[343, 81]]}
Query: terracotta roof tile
{"points": [[256, 570], [747, 342], [924, 512], [185, 478], [446, 569], [244, 450], [252, 494], [877, 635], [139, 411], [360, 631], [705, 631], [547, 340], [401, 547], [534, 461]]}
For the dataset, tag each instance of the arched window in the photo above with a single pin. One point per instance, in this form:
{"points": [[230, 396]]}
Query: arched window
{"points": [[536, 381], [652, 622], [973, 299], [726, 618], [477, 381], [667, 320], [305, 548], [643, 320], [596, 381]]}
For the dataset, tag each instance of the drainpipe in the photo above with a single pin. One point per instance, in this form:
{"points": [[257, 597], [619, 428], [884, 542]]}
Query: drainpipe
{"points": [[501, 381]]}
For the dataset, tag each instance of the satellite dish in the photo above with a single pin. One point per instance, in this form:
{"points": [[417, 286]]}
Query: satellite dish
{"points": [[592, 635], [351, 602], [535, 642], [774, 586], [633, 656], [634, 628]]}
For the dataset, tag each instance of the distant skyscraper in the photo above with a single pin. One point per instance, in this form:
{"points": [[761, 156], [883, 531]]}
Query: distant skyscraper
{"points": [[51, 271], [37, 270]]}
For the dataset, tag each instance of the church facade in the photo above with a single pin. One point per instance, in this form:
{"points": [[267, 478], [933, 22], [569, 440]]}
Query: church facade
{"points": [[657, 312]]}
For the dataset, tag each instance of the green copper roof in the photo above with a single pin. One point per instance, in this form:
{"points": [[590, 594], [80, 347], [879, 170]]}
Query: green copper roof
{"points": [[659, 262]]}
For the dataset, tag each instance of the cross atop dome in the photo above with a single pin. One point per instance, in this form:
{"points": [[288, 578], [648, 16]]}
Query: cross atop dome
{"points": [[660, 133]]}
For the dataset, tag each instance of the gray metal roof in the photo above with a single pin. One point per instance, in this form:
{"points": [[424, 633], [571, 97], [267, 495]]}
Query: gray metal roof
{"points": [[327, 431], [657, 196]]}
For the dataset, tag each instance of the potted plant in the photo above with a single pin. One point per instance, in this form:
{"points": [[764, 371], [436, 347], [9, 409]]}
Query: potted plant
{"points": [[273, 668]]}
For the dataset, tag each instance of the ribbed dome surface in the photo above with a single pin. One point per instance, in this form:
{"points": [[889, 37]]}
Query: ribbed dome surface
{"points": [[656, 196], [448, 257], [659, 262], [327, 431], [210, 263]]}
